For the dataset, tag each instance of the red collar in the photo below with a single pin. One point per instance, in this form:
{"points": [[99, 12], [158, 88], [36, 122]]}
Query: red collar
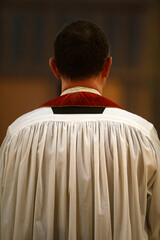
{"points": [[85, 99]]}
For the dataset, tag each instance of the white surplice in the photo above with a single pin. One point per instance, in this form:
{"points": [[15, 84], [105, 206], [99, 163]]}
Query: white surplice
{"points": [[80, 177]]}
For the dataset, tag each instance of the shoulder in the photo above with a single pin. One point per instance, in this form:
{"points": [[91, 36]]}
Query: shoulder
{"points": [[30, 118], [131, 119]]}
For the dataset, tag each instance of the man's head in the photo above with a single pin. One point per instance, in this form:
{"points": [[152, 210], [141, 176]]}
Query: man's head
{"points": [[80, 50], [81, 55]]}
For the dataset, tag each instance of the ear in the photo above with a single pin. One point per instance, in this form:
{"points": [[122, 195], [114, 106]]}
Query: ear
{"points": [[53, 67], [106, 68]]}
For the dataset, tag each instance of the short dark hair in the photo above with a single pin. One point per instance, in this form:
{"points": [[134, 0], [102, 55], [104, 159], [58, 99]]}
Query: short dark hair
{"points": [[80, 50]]}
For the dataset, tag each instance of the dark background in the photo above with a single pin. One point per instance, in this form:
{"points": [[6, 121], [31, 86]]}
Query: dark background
{"points": [[27, 30]]}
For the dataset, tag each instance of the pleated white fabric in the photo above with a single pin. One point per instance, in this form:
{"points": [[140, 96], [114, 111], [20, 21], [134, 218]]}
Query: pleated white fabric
{"points": [[80, 177]]}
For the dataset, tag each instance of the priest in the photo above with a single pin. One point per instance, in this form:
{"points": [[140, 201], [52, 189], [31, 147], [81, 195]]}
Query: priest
{"points": [[80, 167]]}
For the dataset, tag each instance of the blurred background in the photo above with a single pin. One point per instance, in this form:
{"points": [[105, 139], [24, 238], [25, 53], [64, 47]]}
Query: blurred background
{"points": [[27, 30]]}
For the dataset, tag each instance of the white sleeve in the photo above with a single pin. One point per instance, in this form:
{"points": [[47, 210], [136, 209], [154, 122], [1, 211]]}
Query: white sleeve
{"points": [[153, 208], [3, 162]]}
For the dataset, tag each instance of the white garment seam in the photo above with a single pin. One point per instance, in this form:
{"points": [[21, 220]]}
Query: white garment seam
{"points": [[108, 119]]}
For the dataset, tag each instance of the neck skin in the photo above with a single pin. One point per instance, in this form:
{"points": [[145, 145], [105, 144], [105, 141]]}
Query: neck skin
{"points": [[93, 82]]}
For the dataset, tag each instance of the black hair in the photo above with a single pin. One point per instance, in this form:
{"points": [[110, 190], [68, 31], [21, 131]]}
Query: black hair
{"points": [[80, 50]]}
